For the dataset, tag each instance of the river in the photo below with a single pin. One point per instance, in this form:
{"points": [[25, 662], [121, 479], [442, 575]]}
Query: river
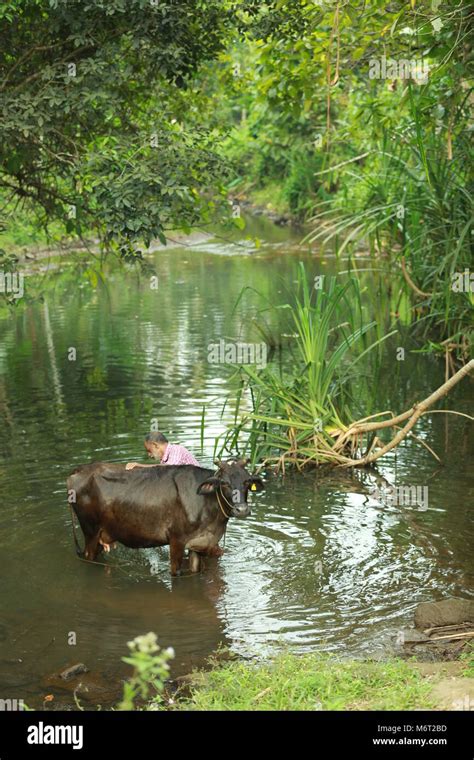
{"points": [[319, 565]]}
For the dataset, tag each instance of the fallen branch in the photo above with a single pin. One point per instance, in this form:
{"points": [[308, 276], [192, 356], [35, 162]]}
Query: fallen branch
{"points": [[453, 636], [339, 446], [451, 628], [423, 443], [412, 415]]}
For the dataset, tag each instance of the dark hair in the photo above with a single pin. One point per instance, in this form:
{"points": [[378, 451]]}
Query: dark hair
{"points": [[156, 438]]}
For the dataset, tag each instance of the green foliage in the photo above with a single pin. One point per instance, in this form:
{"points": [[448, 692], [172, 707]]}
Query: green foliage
{"points": [[295, 412], [127, 118], [412, 201], [310, 682], [8, 261], [467, 659], [150, 671], [383, 159], [300, 185], [89, 136]]}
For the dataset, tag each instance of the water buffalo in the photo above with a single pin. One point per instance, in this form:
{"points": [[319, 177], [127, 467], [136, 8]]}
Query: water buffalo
{"points": [[183, 506]]}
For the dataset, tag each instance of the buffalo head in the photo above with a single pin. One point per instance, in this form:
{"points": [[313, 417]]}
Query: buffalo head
{"points": [[231, 484]]}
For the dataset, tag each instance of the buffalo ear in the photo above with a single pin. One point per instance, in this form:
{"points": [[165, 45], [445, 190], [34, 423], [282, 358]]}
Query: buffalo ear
{"points": [[208, 486], [256, 484]]}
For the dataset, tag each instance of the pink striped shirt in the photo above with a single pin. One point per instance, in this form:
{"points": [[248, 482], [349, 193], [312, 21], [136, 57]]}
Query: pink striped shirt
{"points": [[176, 454]]}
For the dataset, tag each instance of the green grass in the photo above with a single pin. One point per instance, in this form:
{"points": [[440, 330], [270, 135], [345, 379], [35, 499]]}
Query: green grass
{"points": [[309, 682]]}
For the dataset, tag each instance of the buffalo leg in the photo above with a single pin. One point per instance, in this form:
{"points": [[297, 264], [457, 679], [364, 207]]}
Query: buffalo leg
{"points": [[194, 562], [92, 548], [176, 555]]}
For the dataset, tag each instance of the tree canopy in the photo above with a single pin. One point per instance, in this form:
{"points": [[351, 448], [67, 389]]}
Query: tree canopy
{"points": [[89, 130]]}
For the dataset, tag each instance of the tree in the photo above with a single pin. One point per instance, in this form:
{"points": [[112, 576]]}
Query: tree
{"points": [[88, 133]]}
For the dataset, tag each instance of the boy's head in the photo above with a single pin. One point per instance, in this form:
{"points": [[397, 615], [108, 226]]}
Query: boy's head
{"points": [[155, 444]]}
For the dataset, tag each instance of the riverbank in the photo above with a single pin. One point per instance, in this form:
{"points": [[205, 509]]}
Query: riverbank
{"points": [[269, 202], [321, 682], [42, 250]]}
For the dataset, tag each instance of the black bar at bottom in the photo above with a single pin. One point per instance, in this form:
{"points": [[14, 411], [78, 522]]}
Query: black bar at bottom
{"points": [[375, 734]]}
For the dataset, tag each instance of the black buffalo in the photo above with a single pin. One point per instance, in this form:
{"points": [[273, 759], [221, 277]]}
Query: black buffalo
{"points": [[183, 506]]}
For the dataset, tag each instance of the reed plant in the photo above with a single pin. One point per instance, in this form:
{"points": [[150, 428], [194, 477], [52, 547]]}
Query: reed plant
{"points": [[410, 201], [290, 413]]}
